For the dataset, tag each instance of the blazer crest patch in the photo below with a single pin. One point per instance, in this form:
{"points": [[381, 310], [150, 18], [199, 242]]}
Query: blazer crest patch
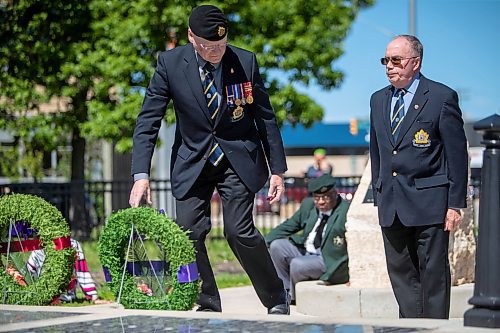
{"points": [[421, 139], [338, 241]]}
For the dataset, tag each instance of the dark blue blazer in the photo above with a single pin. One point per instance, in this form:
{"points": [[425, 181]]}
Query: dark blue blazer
{"points": [[424, 172], [251, 142]]}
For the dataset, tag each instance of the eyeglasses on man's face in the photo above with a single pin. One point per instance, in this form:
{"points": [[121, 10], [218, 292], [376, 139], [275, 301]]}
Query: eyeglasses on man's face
{"points": [[396, 61], [213, 47], [325, 197]]}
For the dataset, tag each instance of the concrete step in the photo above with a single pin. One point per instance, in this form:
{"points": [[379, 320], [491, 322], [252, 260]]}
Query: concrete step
{"points": [[340, 301]]}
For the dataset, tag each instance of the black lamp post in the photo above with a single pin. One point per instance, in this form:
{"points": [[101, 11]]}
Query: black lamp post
{"points": [[486, 299]]}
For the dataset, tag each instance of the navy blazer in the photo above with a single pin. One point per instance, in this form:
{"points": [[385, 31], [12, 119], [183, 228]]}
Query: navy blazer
{"points": [[252, 142], [424, 172]]}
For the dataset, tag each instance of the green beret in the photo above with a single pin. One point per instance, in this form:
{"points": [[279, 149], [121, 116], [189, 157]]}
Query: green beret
{"points": [[321, 184], [208, 22]]}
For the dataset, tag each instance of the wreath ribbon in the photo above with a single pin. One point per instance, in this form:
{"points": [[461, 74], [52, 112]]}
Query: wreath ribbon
{"points": [[139, 268], [34, 244], [187, 273]]}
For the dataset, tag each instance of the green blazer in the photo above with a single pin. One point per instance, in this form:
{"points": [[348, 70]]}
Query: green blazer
{"points": [[333, 245]]}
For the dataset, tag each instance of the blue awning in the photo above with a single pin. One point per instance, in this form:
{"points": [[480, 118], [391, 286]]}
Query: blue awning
{"points": [[323, 135]]}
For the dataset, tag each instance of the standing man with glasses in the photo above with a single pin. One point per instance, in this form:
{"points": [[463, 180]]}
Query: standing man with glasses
{"points": [[226, 139], [311, 244], [419, 162]]}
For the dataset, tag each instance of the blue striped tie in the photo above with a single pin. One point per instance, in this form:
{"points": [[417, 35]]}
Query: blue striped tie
{"points": [[398, 114], [210, 92]]}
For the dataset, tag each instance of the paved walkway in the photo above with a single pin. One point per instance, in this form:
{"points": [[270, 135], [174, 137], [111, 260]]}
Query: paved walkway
{"points": [[242, 313]]}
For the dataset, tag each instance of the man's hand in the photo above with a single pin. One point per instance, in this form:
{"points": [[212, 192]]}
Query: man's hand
{"points": [[140, 190], [276, 188], [453, 220]]}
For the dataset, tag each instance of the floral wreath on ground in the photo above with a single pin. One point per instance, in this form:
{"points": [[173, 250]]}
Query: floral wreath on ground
{"points": [[113, 246], [23, 216]]}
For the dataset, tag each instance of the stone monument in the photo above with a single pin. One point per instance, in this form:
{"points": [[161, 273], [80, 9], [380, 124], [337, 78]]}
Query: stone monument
{"points": [[367, 266]]}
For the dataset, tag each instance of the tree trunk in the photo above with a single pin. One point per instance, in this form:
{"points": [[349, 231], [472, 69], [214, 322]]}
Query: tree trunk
{"points": [[80, 226]]}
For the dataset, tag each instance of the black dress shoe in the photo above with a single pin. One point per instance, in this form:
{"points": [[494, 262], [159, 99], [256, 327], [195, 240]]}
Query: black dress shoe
{"points": [[280, 309], [206, 309]]}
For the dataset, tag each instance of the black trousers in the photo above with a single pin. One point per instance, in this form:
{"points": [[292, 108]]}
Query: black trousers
{"points": [[417, 262], [245, 240]]}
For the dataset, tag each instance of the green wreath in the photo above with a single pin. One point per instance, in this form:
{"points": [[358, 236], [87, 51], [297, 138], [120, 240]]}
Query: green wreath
{"points": [[51, 229], [113, 245]]}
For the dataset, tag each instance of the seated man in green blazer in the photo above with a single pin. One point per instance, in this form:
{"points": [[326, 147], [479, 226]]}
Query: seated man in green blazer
{"points": [[311, 244]]}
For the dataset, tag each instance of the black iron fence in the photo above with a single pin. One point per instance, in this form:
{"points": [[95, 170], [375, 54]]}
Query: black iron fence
{"points": [[87, 204]]}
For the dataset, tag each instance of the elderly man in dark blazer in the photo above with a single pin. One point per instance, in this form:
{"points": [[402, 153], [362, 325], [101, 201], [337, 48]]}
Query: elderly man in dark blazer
{"points": [[226, 139], [419, 162], [311, 244]]}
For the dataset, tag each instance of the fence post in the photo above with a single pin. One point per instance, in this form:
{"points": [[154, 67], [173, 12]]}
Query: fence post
{"points": [[486, 299]]}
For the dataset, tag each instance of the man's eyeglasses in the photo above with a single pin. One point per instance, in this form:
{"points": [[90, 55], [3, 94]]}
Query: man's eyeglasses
{"points": [[396, 61], [213, 47], [326, 197]]}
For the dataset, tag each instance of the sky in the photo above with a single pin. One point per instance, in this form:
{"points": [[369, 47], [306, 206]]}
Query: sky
{"points": [[461, 40]]}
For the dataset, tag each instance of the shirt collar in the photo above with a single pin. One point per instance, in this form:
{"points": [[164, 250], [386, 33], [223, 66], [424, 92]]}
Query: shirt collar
{"points": [[202, 62], [329, 213], [411, 87]]}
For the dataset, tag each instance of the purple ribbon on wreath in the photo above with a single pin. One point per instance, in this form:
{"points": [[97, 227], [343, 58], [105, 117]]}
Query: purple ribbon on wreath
{"points": [[22, 229], [187, 273], [107, 275], [139, 268]]}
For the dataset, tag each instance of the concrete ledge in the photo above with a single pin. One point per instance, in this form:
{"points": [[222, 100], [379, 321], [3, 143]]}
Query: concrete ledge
{"points": [[316, 299]]}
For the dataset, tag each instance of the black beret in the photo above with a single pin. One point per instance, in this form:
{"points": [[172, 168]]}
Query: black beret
{"points": [[208, 22], [321, 184]]}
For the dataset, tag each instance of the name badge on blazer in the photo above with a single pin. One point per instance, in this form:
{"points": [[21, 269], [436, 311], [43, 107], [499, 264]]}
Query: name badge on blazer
{"points": [[421, 139]]}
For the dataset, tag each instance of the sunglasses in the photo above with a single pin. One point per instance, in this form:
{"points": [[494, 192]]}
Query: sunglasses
{"points": [[396, 61]]}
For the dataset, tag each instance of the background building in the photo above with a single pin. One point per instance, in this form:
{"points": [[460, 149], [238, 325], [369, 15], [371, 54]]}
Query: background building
{"points": [[346, 145]]}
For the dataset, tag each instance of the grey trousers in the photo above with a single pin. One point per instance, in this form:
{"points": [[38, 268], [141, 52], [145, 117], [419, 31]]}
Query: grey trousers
{"points": [[293, 266]]}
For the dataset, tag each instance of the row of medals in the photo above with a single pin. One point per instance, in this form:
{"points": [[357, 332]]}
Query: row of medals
{"points": [[244, 89]]}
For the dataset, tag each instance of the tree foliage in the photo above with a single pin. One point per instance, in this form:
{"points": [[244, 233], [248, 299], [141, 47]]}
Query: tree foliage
{"points": [[97, 56]]}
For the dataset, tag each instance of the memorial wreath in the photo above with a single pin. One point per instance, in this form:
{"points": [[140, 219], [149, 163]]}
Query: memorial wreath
{"points": [[114, 245], [29, 223]]}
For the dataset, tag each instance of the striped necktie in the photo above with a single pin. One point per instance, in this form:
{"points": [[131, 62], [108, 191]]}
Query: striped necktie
{"points": [[398, 114], [210, 92]]}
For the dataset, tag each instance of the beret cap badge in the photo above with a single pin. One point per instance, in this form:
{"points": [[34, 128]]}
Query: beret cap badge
{"points": [[221, 31]]}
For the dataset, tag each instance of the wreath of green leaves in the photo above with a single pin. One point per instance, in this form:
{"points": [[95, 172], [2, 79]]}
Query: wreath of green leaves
{"points": [[58, 264], [113, 245]]}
